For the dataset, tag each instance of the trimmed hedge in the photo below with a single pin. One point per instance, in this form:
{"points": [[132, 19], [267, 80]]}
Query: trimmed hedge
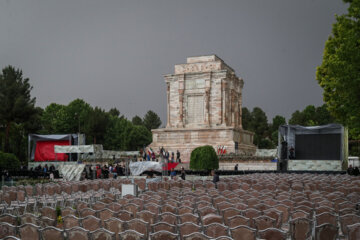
{"points": [[9, 161], [204, 158]]}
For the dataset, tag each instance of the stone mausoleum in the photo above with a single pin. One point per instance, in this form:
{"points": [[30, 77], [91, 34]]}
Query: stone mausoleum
{"points": [[204, 100]]}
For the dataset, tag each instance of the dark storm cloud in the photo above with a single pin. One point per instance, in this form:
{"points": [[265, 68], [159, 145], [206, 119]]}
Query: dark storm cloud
{"points": [[115, 53]]}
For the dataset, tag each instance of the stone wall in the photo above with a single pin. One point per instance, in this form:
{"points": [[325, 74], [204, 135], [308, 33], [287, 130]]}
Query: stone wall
{"points": [[314, 165], [249, 165]]}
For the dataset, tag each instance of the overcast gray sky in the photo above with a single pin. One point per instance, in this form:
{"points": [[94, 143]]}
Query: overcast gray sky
{"points": [[115, 53]]}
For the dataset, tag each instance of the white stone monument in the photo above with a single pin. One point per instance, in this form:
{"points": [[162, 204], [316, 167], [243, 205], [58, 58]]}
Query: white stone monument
{"points": [[204, 100]]}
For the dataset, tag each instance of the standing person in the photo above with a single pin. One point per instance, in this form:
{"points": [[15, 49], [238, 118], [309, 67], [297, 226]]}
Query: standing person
{"points": [[182, 173], [144, 155], [98, 171], [39, 168], [167, 156], [114, 171], [52, 168], [93, 172], [119, 170], [106, 171], [236, 167], [178, 156], [215, 175], [153, 156], [292, 153], [172, 157], [172, 173], [162, 151]]}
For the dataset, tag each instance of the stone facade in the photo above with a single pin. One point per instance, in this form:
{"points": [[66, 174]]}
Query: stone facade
{"points": [[204, 100], [314, 165]]}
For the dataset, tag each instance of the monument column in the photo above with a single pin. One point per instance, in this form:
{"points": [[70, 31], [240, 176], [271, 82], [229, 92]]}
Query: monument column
{"points": [[223, 101], [168, 125], [207, 99], [240, 111], [240, 101], [181, 100], [233, 110], [207, 106]]}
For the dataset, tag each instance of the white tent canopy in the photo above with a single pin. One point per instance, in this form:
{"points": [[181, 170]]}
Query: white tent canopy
{"points": [[137, 168], [74, 149]]}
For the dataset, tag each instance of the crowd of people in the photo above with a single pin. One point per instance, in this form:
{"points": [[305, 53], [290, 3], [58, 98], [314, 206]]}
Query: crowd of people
{"points": [[34, 172], [46, 171], [105, 171], [149, 155]]}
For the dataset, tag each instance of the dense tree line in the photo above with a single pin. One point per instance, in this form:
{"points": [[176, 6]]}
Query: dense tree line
{"points": [[19, 117], [111, 129]]}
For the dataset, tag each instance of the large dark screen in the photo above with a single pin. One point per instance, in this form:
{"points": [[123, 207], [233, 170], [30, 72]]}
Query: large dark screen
{"points": [[318, 146]]}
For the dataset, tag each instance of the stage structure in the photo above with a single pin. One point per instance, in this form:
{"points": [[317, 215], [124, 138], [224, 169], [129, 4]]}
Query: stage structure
{"points": [[94, 152], [41, 147], [315, 148], [204, 100]]}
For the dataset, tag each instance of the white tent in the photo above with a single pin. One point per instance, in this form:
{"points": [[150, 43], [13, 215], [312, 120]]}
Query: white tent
{"points": [[137, 168]]}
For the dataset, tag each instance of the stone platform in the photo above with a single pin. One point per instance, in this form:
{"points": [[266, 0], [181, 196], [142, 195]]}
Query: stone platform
{"points": [[186, 139], [242, 166]]}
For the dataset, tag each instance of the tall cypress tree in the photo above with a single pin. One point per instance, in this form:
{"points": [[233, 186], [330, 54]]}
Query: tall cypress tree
{"points": [[17, 105]]}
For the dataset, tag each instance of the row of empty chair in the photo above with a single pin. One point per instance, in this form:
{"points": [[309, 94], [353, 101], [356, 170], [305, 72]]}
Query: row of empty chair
{"points": [[278, 206]]}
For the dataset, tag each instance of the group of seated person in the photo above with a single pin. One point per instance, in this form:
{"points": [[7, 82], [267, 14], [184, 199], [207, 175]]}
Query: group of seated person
{"points": [[45, 171]]}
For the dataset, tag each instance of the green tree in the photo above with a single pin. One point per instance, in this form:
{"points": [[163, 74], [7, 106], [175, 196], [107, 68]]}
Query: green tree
{"points": [[96, 125], [311, 116], [114, 112], [9, 161], [78, 112], [339, 73], [305, 117], [277, 121], [34, 125], [297, 118], [55, 119], [204, 158], [17, 105], [259, 125], [139, 136], [256, 121], [123, 135], [246, 118], [151, 120], [323, 115], [136, 120]]}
